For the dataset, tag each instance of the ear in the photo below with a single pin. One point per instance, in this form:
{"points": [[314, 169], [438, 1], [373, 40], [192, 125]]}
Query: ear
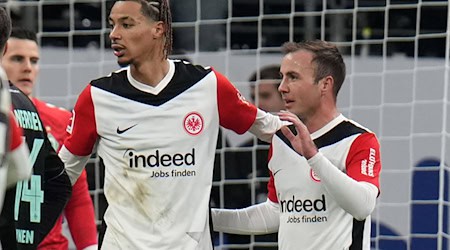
{"points": [[327, 84], [158, 30]]}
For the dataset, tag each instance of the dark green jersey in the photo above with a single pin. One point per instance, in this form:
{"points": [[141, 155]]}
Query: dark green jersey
{"points": [[32, 207]]}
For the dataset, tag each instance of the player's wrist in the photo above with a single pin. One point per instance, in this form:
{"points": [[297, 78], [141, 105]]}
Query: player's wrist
{"points": [[311, 152]]}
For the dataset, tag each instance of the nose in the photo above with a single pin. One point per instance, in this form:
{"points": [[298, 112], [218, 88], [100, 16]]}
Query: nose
{"points": [[114, 34], [27, 65], [283, 86]]}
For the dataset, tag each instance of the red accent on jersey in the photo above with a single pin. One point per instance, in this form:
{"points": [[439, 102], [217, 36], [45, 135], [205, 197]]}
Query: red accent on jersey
{"points": [[16, 133], [363, 160], [55, 240], [84, 126], [55, 120], [229, 99]]}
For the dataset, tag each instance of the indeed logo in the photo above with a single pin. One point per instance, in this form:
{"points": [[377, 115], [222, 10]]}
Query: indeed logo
{"points": [[159, 159], [307, 205]]}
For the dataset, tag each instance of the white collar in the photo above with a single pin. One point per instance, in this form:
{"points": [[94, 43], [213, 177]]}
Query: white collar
{"points": [[149, 89]]}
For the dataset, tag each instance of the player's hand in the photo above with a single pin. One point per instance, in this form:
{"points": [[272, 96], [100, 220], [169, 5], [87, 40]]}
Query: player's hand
{"points": [[302, 141]]}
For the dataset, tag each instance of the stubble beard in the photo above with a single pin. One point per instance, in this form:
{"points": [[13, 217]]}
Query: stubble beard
{"points": [[123, 63]]}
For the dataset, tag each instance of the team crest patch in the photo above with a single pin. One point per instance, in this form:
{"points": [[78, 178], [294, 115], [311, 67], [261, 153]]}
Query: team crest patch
{"points": [[314, 176], [193, 123]]}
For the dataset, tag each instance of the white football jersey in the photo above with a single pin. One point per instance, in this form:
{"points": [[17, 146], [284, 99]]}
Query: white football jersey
{"points": [[157, 146], [310, 218]]}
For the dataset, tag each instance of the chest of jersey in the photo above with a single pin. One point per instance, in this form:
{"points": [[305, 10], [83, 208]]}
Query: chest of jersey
{"points": [[294, 178], [181, 119]]}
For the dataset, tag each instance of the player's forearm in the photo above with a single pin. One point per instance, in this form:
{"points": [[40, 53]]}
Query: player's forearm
{"points": [[257, 219], [265, 125], [357, 198]]}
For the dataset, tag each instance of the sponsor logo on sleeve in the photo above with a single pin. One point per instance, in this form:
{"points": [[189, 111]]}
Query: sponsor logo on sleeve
{"points": [[242, 98], [368, 164]]}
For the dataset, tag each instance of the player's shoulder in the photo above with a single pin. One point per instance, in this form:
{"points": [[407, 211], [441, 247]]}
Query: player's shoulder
{"points": [[15, 91], [41, 105], [188, 73], [191, 67], [117, 75], [20, 100]]}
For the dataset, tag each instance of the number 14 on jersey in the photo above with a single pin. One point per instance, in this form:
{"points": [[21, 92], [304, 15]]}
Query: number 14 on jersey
{"points": [[31, 190]]}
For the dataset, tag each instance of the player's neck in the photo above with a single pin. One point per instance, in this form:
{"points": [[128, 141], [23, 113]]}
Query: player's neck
{"points": [[321, 118], [150, 72]]}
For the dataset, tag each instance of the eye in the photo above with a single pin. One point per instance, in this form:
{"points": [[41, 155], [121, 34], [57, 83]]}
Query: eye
{"points": [[17, 59], [126, 25], [292, 77], [34, 61]]}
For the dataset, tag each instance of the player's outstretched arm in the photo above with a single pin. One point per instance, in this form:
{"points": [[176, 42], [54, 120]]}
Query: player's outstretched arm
{"points": [[261, 218], [239, 115], [266, 125]]}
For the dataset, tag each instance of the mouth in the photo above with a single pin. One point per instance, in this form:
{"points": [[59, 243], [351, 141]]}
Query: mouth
{"points": [[25, 81], [118, 50], [287, 101], [289, 104]]}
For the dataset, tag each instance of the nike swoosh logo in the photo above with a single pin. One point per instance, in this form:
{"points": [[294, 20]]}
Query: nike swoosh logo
{"points": [[276, 172], [119, 131]]}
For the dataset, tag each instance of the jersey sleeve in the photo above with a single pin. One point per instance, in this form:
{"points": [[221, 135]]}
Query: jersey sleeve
{"points": [[83, 131], [262, 218], [363, 160], [84, 232], [82, 137], [235, 112]]}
